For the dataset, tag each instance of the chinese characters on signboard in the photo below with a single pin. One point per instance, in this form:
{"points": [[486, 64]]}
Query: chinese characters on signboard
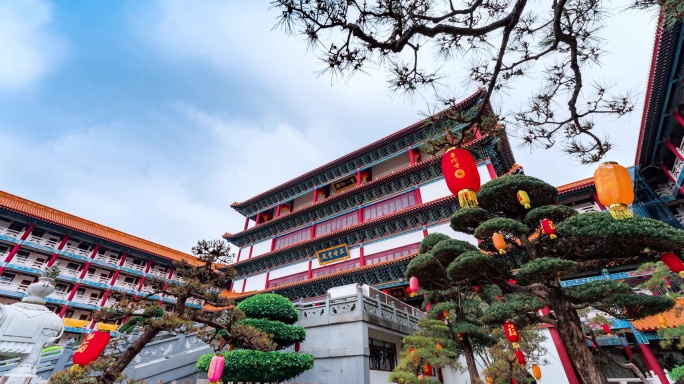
{"points": [[333, 254]]}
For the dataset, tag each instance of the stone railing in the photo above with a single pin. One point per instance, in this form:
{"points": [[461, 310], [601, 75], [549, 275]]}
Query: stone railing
{"points": [[372, 302], [169, 357]]}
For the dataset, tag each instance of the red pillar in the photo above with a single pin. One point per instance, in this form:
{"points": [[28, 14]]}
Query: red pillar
{"points": [[669, 176], [114, 277], [267, 276], [491, 170], [649, 357], [246, 223], [425, 231], [313, 232], [309, 273], [147, 269], [232, 284], [628, 352], [104, 299], [419, 197], [244, 284], [359, 216], [358, 177], [59, 248], [16, 247], [674, 150], [123, 259], [562, 353], [278, 211], [251, 248], [238, 255], [362, 257], [412, 160]]}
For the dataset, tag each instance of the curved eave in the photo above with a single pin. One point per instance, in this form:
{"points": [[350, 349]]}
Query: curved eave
{"points": [[576, 187], [322, 204], [237, 237], [466, 103], [39, 212], [353, 228], [332, 276], [659, 80]]}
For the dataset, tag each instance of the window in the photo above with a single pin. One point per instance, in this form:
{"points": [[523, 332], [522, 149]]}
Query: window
{"points": [[138, 262], [61, 287], [7, 277], [83, 317], [69, 313], [383, 355], [3, 249], [22, 255], [80, 292], [130, 280], [73, 266]]}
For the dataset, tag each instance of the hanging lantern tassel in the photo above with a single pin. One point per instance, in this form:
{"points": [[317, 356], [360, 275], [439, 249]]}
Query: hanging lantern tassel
{"points": [[614, 189], [499, 243], [549, 228], [520, 357], [536, 372], [216, 369], [524, 199], [75, 369], [461, 175]]}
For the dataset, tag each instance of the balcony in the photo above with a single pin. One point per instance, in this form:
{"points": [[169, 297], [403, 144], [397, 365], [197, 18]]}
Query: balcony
{"points": [[80, 253], [665, 190], [13, 289], [128, 286], [87, 300], [136, 267], [59, 295], [163, 274], [108, 258], [10, 234], [98, 278], [679, 215], [42, 243], [30, 263]]}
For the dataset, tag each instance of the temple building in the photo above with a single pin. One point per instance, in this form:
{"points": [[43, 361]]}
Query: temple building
{"points": [[359, 219], [95, 261]]}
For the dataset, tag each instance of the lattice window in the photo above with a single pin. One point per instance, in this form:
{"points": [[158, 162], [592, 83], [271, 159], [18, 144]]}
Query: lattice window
{"points": [[383, 355], [390, 206]]}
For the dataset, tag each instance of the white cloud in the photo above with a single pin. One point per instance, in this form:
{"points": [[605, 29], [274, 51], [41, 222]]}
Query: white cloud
{"points": [[29, 49]]}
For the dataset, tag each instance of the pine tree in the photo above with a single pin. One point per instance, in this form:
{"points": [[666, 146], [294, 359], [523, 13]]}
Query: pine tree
{"points": [[527, 274]]}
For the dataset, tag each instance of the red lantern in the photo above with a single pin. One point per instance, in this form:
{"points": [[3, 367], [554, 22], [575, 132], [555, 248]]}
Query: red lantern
{"points": [[499, 243], [520, 357], [409, 290], [386, 292], [411, 350], [511, 332], [460, 336], [606, 328], [549, 228], [461, 176], [285, 208], [427, 307], [91, 348], [512, 281], [477, 289], [673, 262], [296, 347], [413, 283], [427, 369], [513, 381], [216, 369], [265, 216], [364, 176]]}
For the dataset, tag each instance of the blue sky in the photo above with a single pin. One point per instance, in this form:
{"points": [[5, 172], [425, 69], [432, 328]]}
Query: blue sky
{"points": [[152, 117]]}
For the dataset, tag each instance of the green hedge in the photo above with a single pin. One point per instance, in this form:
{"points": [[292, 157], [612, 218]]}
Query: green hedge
{"points": [[256, 366], [269, 306], [284, 335]]}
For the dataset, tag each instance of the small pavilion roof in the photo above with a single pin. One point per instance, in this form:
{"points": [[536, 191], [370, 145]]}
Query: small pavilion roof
{"points": [[672, 318]]}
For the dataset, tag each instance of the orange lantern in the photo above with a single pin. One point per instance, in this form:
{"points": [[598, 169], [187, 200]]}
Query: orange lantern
{"points": [[524, 199], [365, 176], [511, 332], [549, 228], [673, 262], [413, 283], [438, 346], [320, 195], [489, 380], [461, 176], [91, 348], [499, 243], [265, 216], [477, 289], [614, 189], [445, 313], [520, 357], [536, 372]]}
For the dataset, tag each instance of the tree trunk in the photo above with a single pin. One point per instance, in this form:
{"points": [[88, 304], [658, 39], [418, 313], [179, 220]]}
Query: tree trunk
{"points": [[470, 361], [570, 331], [111, 374]]}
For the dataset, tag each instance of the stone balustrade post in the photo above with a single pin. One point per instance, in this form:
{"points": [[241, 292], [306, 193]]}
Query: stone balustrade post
{"points": [[327, 304], [179, 344], [65, 356], [359, 297], [379, 304], [394, 312]]}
